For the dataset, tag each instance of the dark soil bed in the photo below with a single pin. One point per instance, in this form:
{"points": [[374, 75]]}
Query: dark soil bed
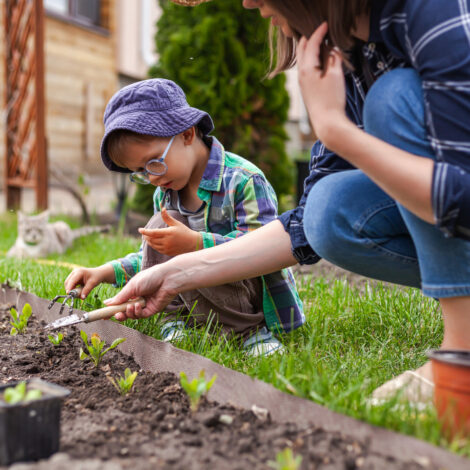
{"points": [[153, 427]]}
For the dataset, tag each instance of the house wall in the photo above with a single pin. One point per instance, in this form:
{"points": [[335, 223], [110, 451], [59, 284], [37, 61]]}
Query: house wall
{"points": [[135, 34], [80, 77]]}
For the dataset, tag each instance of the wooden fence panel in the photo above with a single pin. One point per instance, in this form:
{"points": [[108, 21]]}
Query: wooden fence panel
{"points": [[25, 158]]}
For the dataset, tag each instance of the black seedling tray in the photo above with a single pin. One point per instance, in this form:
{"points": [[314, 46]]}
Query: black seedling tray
{"points": [[31, 431]]}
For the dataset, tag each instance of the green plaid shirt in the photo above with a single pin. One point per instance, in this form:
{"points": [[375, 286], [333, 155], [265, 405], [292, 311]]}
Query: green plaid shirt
{"points": [[238, 200]]}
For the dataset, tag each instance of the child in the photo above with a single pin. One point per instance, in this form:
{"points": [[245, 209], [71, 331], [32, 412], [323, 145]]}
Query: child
{"points": [[205, 196]]}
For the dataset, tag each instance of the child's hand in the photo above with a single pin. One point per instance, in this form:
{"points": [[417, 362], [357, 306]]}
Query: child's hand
{"points": [[174, 240], [89, 278]]}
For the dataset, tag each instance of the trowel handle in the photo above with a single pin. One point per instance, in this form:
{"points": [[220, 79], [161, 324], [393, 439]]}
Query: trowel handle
{"points": [[107, 312]]}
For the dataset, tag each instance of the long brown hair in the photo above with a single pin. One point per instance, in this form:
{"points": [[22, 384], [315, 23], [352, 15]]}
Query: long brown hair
{"points": [[304, 17]]}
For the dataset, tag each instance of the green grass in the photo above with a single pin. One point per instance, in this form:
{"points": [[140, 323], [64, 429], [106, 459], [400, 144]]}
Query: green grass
{"points": [[354, 340]]}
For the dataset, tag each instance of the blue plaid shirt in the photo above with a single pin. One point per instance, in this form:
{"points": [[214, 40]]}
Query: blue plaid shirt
{"points": [[433, 37]]}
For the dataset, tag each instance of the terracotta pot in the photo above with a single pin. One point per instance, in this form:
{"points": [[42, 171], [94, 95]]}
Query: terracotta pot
{"points": [[451, 370]]}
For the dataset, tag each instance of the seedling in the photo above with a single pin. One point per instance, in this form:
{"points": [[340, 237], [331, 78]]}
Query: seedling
{"points": [[56, 339], [95, 347], [124, 384], [19, 394], [196, 388], [20, 321], [285, 460]]}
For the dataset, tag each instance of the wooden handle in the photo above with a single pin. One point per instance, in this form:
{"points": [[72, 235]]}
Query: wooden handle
{"points": [[107, 312], [76, 292]]}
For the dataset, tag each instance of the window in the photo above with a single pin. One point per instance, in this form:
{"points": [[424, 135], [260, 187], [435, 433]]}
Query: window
{"points": [[57, 6], [86, 12]]}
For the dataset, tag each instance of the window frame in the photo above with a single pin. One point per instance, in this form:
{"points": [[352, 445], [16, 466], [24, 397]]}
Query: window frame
{"points": [[74, 18]]}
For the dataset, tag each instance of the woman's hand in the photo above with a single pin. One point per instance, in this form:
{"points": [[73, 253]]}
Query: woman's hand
{"points": [[323, 91], [153, 286], [174, 240]]}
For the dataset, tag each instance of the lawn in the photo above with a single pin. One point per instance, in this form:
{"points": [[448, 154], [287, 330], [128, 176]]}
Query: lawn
{"points": [[354, 340]]}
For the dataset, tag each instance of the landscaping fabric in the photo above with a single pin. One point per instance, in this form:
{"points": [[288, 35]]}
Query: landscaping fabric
{"points": [[153, 427]]}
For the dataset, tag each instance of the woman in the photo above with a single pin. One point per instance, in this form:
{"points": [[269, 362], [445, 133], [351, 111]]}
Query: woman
{"points": [[404, 215]]}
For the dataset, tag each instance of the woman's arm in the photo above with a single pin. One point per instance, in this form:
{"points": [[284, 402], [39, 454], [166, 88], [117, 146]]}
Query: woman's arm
{"points": [[266, 250], [404, 176]]}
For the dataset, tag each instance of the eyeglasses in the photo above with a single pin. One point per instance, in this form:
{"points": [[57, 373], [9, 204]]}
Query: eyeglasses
{"points": [[155, 167]]}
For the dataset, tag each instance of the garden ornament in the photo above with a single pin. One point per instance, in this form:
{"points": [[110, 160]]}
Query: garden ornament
{"points": [[71, 297], [86, 317]]}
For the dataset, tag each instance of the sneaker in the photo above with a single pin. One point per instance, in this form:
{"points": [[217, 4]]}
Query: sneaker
{"points": [[409, 386], [173, 331], [263, 343]]}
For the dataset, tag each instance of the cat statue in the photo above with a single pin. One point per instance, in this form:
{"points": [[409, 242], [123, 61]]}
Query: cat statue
{"points": [[38, 238]]}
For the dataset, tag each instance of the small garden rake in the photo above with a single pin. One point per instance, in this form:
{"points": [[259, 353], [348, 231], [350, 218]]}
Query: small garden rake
{"points": [[71, 297]]}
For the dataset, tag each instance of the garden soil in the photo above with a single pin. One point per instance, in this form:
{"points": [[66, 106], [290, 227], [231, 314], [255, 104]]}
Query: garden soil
{"points": [[153, 426]]}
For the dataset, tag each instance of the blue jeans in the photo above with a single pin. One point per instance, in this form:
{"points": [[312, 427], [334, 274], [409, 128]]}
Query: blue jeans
{"points": [[352, 223]]}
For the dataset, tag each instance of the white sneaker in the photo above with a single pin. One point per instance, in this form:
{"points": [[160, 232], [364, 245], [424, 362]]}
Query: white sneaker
{"points": [[173, 331], [412, 387], [263, 343]]}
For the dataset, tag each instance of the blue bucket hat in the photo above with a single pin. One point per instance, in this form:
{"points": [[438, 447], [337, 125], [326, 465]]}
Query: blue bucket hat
{"points": [[155, 107]]}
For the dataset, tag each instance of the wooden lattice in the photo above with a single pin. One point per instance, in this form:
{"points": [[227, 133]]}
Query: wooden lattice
{"points": [[26, 161]]}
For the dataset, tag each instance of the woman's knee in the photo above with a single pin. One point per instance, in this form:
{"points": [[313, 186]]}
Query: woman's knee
{"points": [[394, 108], [324, 222]]}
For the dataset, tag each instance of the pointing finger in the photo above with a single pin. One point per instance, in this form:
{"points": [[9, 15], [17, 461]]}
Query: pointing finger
{"points": [[168, 219], [155, 232]]}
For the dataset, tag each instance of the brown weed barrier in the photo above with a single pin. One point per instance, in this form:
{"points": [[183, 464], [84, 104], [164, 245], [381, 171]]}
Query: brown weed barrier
{"points": [[243, 391]]}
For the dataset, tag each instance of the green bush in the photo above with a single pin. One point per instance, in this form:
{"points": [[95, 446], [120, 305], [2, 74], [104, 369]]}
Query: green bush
{"points": [[142, 201], [218, 54]]}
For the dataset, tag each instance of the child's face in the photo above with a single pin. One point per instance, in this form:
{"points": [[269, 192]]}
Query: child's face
{"points": [[179, 160]]}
